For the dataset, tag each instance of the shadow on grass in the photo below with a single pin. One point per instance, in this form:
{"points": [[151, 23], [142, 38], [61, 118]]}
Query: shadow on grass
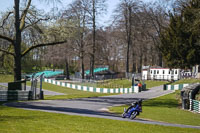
{"points": [[169, 103], [67, 110]]}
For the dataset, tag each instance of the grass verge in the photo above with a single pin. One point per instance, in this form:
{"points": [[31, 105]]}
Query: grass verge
{"points": [[121, 83], [165, 109], [186, 81], [14, 120], [151, 83], [70, 93], [6, 78]]}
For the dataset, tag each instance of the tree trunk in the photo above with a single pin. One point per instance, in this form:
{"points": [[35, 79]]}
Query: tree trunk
{"points": [[67, 69], [17, 44], [160, 62], [141, 63], [82, 68], [94, 39], [129, 41], [134, 63]]}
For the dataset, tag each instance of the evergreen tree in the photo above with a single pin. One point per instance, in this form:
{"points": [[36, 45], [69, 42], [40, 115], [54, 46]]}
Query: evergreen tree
{"points": [[180, 40]]}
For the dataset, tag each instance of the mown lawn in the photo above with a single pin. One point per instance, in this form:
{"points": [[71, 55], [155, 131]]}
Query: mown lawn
{"points": [[69, 93], [166, 109], [186, 81], [151, 83], [124, 83], [6, 78], [111, 83], [14, 120]]}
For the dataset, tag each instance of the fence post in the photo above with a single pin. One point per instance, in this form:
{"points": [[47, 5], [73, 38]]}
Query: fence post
{"points": [[25, 85], [191, 104], [41, 92]]}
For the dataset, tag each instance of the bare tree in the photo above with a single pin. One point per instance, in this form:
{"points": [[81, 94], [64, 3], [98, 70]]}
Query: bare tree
{"points": [[78, 14], [20, 24], [97, 7], [125, 17]]}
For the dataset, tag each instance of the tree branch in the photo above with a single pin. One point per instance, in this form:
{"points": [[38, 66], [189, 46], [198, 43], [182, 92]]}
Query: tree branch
{"points": [[41, 45], [22, 25], [4, 20], [34, 23], [7, 38], [7, 52]]}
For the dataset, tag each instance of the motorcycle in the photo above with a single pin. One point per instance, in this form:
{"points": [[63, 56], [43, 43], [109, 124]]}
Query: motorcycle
{"points": [[133, 110]]}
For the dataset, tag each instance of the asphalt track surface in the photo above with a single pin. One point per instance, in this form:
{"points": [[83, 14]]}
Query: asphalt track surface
{"points": [[97, 106]]}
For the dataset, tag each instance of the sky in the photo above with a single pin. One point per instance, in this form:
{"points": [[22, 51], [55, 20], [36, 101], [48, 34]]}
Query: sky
{"points": [[111, 5]]}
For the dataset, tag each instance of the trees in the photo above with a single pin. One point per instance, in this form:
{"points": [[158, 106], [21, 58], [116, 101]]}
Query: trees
{"points": [[21, 23], [96, 7], [125, 11], [158, 20], [77, 13], [181, 40]]}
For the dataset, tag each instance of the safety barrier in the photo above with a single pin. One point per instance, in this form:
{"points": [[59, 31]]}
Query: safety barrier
{"points": [[195, 105], [134, 89], [15, 95], [174, 87]]}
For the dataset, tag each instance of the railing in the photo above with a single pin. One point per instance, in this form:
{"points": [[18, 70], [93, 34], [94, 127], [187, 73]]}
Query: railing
{"points": [[36, 87], [195, 105], [161, 77]]}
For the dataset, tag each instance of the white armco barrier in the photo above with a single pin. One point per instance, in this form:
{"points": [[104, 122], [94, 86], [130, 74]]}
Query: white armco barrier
{"points": [[134, 89]]}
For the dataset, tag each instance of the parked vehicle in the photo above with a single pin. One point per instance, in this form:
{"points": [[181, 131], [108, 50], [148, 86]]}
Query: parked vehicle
{"points": [[133, 110]]}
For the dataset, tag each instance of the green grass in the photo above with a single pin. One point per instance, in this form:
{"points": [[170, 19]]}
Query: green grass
{"points": [[123, 83], [186, 81], [165, 109], [120, 82], [14, 120], [70, 93], [150, 83], [6, 78], [111, 83]]}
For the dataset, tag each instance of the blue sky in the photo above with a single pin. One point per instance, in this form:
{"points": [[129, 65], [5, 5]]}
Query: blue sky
{"points": [[111, 5]]}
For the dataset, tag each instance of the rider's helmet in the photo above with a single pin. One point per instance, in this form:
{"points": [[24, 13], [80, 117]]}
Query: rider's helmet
{"points": [[140, 101], [134, 103]]}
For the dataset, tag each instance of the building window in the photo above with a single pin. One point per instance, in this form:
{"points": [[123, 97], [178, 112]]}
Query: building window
{"points": [[151, 72], [157, 71], [154, 71], [163, 71], [176, 72], [169, 71]]}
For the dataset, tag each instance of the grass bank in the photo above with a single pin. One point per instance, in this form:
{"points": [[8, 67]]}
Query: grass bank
{"points": [[166, 109], [151, 83], [69, 93], [121, 83], [6, 78], [14, 120], [186, 81]]}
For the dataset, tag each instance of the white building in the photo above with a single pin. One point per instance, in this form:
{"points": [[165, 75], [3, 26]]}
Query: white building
{"points": [[158, 73]]}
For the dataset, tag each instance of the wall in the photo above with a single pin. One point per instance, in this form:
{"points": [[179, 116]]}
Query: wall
{"points": [[15, 95]]}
